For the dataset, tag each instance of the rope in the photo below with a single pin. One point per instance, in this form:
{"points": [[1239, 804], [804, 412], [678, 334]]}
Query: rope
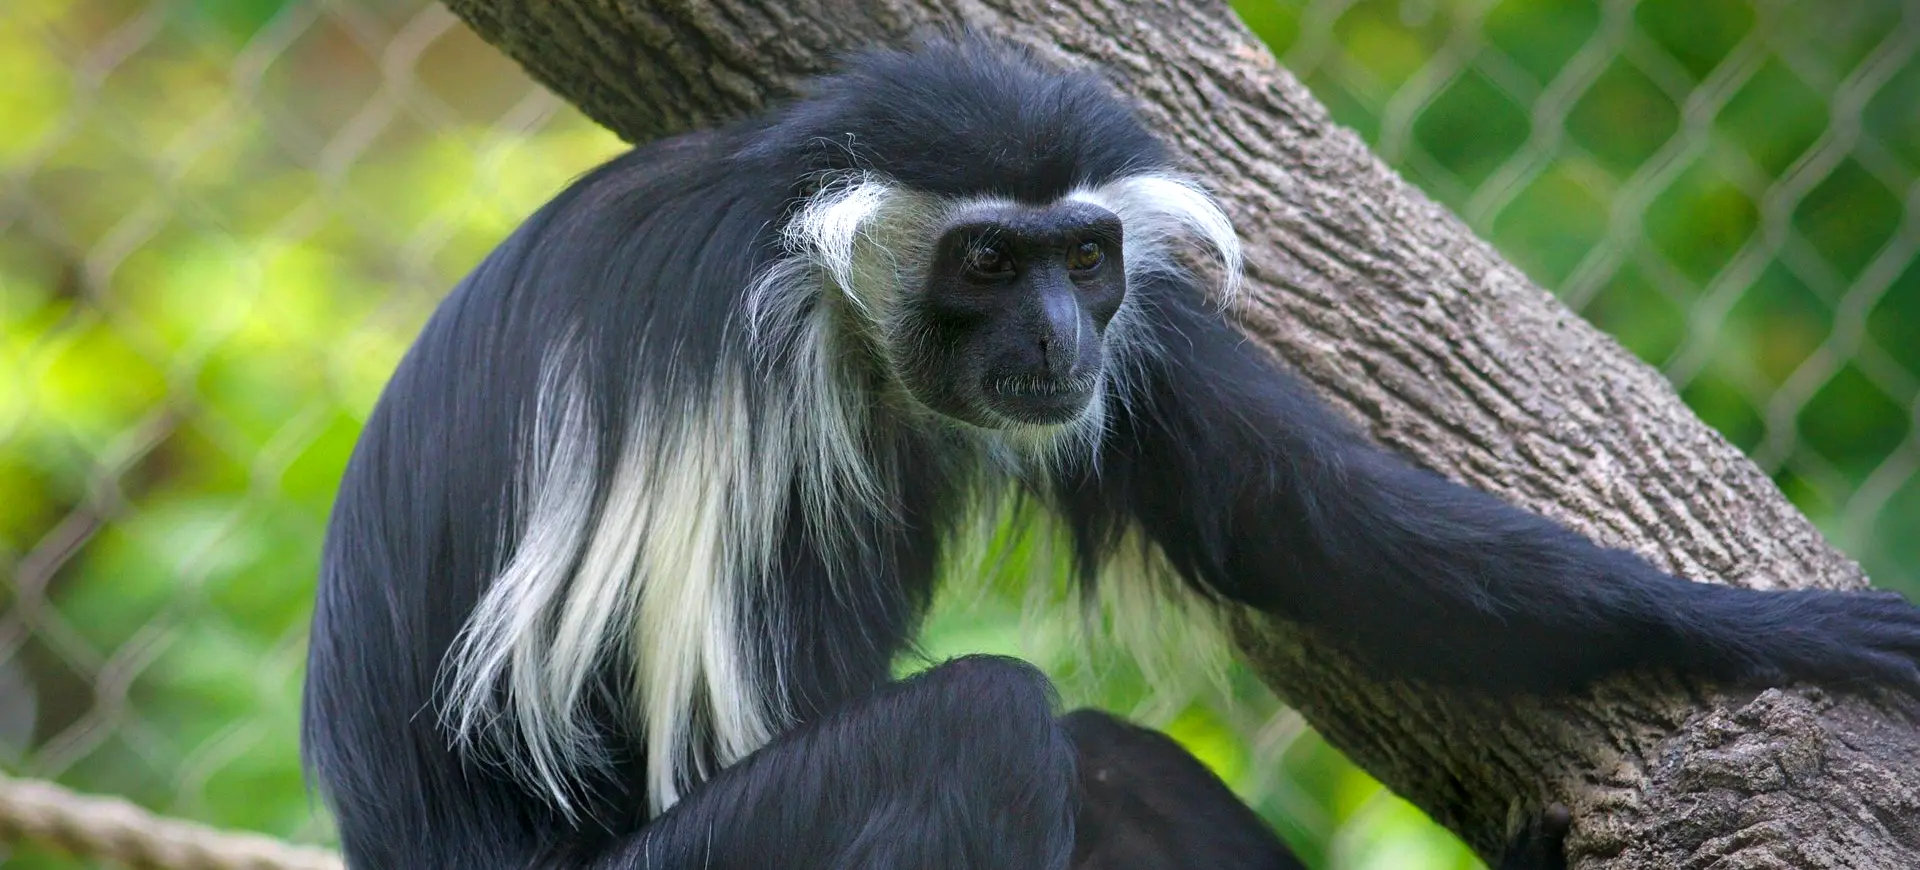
{"points": [[114, 829]]}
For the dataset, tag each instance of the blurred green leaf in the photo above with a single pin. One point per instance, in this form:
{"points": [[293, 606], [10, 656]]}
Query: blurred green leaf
{"points": [[1540, 35], [1848, 217], [1697, 33], [1471, 127], [1775, 117], [1701, 220], [1623, 119], [1853, 422]]}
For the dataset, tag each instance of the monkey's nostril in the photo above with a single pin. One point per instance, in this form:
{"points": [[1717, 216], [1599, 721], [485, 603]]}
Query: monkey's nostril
{"points": [[1059, 352]]}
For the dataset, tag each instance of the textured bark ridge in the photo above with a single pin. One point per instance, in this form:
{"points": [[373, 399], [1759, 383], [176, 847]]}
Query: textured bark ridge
{"points": [[1401, 316]]}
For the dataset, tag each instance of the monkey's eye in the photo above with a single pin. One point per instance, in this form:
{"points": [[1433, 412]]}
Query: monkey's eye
{"points": [[1085, 257], [989, 260]]}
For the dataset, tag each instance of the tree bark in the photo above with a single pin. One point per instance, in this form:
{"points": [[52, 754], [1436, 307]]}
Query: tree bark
{"points": [[1404, 319]]}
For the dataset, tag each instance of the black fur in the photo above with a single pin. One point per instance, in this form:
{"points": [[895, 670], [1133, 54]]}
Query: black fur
{"points": [[1148, 805], [1252, 487], [964, 766], [960, 120]]}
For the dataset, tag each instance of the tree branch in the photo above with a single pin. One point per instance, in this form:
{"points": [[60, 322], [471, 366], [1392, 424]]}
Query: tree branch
{"points": [[1393, 308]]}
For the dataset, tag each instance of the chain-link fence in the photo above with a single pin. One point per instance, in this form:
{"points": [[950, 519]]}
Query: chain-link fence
{"points": [[1727, 186], [220, 225]]}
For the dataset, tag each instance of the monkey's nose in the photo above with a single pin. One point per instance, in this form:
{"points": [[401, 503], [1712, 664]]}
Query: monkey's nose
{"points": [[1059, 354], [1060, 340]]}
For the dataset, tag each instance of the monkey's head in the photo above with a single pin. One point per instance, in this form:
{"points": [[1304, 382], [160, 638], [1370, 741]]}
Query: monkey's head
{"points": [[988, 218], [1009, 325]]}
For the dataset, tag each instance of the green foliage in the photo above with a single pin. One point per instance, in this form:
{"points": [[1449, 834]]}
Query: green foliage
{"points": [[222, 222]]}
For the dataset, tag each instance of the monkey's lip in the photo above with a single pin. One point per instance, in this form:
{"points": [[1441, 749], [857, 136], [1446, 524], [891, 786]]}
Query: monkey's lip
{"points": [[1038, 399], [1040, 386]]}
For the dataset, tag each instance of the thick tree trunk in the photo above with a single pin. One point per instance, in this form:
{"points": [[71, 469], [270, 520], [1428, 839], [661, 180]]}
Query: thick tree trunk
{"points": [[1400, 315]]}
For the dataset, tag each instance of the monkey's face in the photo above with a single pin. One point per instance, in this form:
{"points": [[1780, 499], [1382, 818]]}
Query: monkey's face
{"points": [[1010, 328]]}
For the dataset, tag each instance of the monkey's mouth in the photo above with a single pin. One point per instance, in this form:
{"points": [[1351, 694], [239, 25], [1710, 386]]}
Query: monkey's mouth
{"points": [[1038, 399]]}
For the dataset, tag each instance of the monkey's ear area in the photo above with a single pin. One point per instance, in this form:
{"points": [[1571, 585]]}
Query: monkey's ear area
{"points": [[1148, 804]]}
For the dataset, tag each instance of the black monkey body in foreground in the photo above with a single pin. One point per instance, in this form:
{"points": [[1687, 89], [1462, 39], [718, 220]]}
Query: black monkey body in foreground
{"points": [[619, 567]]}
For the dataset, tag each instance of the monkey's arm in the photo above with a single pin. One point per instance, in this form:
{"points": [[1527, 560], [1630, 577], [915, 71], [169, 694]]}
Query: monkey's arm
{"points": [[1254, 487], [961, 766]]}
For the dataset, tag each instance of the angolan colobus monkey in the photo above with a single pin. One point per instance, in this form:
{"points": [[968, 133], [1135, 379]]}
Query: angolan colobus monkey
{"points": [[621, 563]]}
